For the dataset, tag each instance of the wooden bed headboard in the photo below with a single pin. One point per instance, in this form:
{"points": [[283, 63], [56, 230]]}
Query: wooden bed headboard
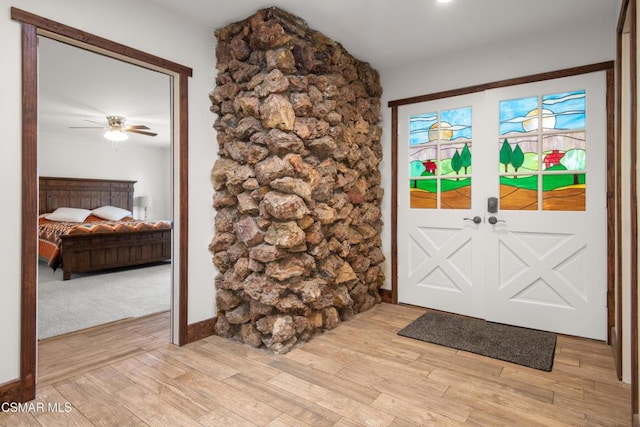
{"points": [[84, 193]]}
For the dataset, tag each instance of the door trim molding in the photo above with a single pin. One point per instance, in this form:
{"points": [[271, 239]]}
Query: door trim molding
{"points": [[607, 66], [32, 26], [628, 12], [566, 72]]}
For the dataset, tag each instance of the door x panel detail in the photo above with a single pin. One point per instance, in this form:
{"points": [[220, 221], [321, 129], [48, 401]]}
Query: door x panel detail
{"points": [[440, 258], [547, 277]]}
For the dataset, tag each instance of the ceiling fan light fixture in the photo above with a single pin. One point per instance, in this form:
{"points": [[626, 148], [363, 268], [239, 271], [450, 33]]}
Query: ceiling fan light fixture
{"points": [[116, 135], [117, 132]]}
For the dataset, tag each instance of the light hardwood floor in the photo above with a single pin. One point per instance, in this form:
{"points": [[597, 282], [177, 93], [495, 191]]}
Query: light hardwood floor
{"points": [[360, 373]]}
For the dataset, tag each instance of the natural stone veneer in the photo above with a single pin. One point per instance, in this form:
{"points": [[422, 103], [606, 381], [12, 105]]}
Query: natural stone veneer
{"points": [[298, 194]]}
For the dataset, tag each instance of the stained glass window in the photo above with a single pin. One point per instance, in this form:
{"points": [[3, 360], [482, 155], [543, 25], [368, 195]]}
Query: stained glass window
{"points": [[440, 159], [542, 152]]}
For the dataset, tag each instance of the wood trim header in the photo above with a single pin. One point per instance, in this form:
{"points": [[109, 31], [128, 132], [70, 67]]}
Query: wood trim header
{"points": [[79, 37], [601, 66]]}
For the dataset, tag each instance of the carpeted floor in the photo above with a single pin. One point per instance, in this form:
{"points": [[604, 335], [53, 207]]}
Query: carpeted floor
{"points": [[526, 347], [96, 298]]}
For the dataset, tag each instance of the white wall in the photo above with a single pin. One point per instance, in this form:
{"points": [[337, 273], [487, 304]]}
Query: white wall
{"points": [[147, 27], [149, 166], [151, 29], [504, 60]]}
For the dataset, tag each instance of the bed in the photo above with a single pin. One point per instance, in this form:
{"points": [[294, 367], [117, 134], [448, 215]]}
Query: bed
{"points": [[97, 244]]}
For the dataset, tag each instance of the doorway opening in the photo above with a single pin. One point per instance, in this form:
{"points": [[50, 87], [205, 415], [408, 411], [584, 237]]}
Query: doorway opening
{"points": [[32, 27], [85, 280], [400, 181], [517, 233]]}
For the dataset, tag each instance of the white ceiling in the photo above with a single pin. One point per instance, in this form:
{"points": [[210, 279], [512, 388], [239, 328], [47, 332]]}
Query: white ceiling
{"points": [[76, 85], [389, 33]]}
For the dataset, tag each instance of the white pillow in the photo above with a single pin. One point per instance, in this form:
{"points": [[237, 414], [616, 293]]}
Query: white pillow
{"points": [[68, 215], [111, 213]]}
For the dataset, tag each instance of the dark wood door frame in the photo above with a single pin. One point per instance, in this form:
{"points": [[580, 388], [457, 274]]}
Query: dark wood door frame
{"points": [[627, 27], [32, 26]]}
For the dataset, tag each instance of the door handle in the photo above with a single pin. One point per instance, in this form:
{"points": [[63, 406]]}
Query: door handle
{"points": [[493, 220], [476, 219]]}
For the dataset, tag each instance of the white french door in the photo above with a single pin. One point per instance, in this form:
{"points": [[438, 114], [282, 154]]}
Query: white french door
{"points": [[502, 207], [439, 249]]}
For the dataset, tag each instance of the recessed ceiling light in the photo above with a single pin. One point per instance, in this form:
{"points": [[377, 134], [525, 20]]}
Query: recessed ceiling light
{"points": [[444, 1]]}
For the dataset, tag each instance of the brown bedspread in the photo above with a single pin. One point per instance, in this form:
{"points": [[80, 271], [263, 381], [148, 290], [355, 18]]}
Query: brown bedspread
{"points": [[50, 232]]}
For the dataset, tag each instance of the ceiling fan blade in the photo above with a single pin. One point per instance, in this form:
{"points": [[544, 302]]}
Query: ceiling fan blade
{"points": [[138, 127], [142, 132]]}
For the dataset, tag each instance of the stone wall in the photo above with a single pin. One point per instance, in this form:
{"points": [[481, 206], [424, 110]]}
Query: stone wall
{"points": [[297, 230]]}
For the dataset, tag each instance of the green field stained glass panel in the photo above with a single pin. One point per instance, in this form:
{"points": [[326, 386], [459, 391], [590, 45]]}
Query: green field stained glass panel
{"points": [[558, 120], [456, 193], [519, 192], [565, 192], [440, 146]]}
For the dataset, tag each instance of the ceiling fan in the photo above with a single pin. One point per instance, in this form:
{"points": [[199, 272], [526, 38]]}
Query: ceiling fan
{"points": [[117, 129]]}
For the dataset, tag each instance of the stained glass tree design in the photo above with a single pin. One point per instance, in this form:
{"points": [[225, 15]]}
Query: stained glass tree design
{"points": [[456, 163], [517, 158], [465, 158], [506, 155]]}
